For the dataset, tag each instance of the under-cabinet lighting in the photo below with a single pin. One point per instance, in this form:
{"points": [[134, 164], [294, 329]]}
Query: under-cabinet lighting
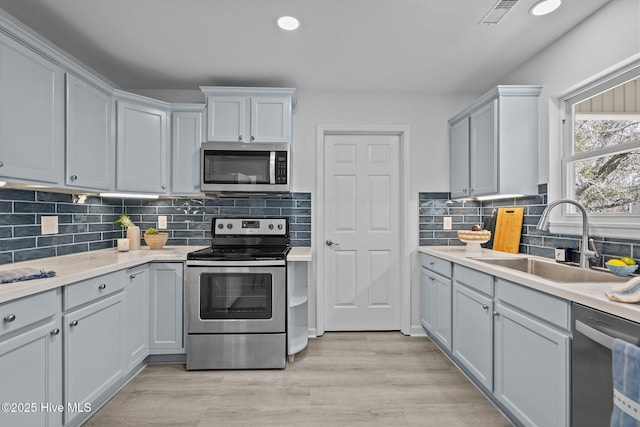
{"points": [[288, 23], [3, 183], [129, 195], [499, 196], [545, 7]]}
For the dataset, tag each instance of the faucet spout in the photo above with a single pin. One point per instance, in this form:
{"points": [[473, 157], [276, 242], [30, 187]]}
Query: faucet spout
{"points": [[588, 250]]}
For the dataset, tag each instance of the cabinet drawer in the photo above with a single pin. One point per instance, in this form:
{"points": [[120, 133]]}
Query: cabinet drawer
{"points": [[474, 279], [435, 264], [25, 311], [546, 307], [83, 292]]}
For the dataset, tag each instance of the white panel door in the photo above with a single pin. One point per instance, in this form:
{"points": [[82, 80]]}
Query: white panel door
{"points": [[362, 232]]}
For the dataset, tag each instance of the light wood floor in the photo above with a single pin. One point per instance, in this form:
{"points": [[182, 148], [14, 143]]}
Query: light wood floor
{"points": [[341, 379]]}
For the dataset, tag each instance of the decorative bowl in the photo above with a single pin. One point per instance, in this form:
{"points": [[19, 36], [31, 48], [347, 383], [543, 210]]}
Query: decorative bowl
{"points": [[621, 270], [473, 239], [156, 241]]}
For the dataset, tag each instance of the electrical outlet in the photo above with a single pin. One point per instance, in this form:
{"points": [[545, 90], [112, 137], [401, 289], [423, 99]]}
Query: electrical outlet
{"points": [[162, 222], [446, 225], [49, 224]]}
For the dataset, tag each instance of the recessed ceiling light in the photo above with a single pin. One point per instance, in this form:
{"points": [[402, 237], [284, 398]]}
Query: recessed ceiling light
{"points": [[544, 7], [288, 23]]}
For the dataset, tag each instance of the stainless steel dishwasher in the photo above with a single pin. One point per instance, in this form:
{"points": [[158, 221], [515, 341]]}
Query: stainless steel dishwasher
{"points": [[591, 366]]}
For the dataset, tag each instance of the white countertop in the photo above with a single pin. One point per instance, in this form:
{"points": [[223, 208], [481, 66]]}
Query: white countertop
{"points": [[75, 267], [587, 293], [298, 253]]}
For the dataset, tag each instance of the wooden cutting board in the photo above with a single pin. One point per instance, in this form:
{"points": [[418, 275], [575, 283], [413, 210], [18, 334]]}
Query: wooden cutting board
{"points": [[508, 230]]}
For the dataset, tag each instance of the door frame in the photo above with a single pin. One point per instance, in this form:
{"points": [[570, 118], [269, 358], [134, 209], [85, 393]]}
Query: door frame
{"points": [[406, 216]]}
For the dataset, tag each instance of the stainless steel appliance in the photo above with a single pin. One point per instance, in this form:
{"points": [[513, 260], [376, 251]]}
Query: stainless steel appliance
{"points": [[591, 363], [235, 296], [238, 167]]}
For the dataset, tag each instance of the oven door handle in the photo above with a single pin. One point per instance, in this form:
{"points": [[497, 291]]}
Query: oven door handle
{"points": [[247, 263]]}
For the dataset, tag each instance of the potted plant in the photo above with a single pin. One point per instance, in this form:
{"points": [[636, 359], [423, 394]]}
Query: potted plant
{"points": [[133, 231], [155, 239]]}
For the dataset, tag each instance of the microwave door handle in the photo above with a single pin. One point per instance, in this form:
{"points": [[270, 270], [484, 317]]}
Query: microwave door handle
{"points": [[272, 167]]}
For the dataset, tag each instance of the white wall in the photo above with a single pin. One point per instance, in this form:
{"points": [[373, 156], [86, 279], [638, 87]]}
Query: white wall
{"points": [[608, 37]]}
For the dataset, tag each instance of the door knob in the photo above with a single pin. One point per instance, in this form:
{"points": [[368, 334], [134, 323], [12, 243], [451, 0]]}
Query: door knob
{"points": [[330, 243]]}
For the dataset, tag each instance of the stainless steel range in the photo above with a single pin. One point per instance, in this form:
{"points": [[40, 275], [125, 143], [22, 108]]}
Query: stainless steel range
{"points": [[235, 296]]}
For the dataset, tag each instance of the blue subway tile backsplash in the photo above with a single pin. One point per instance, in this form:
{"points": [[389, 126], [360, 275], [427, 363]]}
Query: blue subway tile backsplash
{"points": [[90, 225], [434, 206]]}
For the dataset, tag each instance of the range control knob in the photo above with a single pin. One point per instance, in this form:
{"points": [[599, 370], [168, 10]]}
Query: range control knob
{"points": [[220, 225], [270, 226], [229, 226], [279, 226]]}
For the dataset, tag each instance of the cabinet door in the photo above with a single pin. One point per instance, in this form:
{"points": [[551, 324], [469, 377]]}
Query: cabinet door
{"points": [[473, 333], [31, 115], [459, 140], [442, 319], [531, 369], [31, 372], [227, 119], [484, 150], [141, 149], [136, 316], [186, 141], [90, 147], [93, 351], [165, 315], [270, 119], [427, 301]]}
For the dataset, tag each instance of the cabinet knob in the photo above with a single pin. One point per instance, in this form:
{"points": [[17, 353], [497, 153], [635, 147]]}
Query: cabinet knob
{"points": [[253, 138], [485, 306], [74, 177], [163, 186], [196, 187], [102, 286], [9, 318], [73, 323], [1, 164], [239, 137], [56, 331], [496, 314], [133, 276], [431, 263]]}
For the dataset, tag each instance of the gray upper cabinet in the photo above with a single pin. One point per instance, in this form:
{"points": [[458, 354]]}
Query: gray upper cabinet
{"points": [[90, 138], [142, 144], [494, 144], [249, 115], [31, 116], [187, 136]]}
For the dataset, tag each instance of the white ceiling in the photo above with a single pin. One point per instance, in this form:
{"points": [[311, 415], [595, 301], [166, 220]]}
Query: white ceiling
{"points": [[381, 45]]}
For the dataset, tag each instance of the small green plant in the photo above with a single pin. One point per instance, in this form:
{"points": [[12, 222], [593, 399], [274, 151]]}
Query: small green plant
{"points": [[151, 230], [124, 222]]}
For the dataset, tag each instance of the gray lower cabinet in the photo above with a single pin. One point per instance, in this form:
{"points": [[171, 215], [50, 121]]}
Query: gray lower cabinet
{"points": [[473, 333], [165, 308], [436, 297], [136, 316], [31, 361], [532, 355]]}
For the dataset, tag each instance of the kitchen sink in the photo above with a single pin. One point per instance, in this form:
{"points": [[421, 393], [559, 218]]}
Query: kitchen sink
{"points": [[554, 271]]}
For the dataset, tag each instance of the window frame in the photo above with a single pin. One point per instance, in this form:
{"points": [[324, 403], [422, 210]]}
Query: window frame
{"points": [[565, 220]]}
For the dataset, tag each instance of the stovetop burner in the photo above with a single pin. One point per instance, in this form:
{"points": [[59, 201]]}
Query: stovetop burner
{"points": [[236, 239]]}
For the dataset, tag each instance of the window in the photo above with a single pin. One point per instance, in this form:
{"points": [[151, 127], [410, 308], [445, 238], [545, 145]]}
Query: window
{"points": [[601, 153]]}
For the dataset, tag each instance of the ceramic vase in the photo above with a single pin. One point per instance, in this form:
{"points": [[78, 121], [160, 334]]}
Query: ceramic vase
{"points": [[133, 234]]}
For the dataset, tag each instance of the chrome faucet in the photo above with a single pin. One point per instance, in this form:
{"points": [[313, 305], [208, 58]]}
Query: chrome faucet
{"points": [[588, 249]]}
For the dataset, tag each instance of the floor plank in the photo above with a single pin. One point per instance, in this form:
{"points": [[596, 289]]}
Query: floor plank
{"points": [[350, 378]]}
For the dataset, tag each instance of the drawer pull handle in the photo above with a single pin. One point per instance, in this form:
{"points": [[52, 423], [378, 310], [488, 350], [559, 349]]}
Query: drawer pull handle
{"points": [[10, 318], [102, 286], [133, 276], [73, 323], [56, 331]]}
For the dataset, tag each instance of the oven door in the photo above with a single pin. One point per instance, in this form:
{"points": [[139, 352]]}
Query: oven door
{"points": [[235, 299]]}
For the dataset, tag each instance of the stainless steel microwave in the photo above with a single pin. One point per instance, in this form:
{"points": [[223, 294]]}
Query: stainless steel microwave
{"points": [[251, 168]]}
